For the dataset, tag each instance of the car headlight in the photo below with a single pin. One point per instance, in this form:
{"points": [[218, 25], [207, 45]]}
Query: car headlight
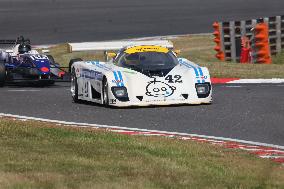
{"points": [[120, 93], [203, 89]]}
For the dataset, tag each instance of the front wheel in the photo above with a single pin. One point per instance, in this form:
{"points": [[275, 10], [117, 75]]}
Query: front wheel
{"points": [[74, 86], [2, 73], [105, 92]]}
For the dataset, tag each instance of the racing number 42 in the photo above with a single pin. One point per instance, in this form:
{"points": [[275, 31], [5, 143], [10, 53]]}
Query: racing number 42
{"points": [[173, 79]]}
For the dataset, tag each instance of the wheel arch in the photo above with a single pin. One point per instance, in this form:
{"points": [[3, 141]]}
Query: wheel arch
{"points": [[72, 61]]}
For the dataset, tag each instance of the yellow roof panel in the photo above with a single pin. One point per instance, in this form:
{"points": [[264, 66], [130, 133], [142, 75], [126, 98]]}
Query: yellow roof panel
{"points": [[147, 48]]}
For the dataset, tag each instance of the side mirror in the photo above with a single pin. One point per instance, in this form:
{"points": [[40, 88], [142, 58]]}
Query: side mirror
{"points": [[111, 54], [177, 52]]}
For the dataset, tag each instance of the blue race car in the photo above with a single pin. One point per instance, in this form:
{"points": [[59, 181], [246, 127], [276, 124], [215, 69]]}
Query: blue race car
{"points": [[23, 64]]}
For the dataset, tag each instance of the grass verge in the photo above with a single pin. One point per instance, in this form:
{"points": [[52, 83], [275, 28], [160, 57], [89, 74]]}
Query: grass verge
{"points": [[39, 155], [199, 49]]}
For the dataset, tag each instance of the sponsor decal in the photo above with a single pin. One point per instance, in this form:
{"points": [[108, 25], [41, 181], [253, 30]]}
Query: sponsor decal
{"points": [[91, 74], [112, 101], [146, 48], [44, 69], [77, 72], [39, 57], [159, 89], [99, 65], [204, 77], [117, 81]]}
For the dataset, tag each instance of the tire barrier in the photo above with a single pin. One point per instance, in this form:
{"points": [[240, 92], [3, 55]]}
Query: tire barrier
{"points": [[261, 49], [217, 39], [265, 37]]}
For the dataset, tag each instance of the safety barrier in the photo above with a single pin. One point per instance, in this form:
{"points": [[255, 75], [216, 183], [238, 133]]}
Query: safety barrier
{"points": [[114, 45], [269, 42]]}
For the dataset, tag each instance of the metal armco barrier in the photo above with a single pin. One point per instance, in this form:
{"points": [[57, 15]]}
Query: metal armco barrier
{"points": [[114, 45], [230, 33]]}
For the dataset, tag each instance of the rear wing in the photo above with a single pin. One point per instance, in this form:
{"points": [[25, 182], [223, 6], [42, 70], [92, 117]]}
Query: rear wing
{"points": [[8, 42], [7, 45], [115, 45]]}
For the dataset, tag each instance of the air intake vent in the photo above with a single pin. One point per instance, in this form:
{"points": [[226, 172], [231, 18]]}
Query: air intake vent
{"points": [[139, 98], [185, 96]]}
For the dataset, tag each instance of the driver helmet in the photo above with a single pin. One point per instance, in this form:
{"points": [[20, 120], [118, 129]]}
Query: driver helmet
{"points": [[23, 48]]}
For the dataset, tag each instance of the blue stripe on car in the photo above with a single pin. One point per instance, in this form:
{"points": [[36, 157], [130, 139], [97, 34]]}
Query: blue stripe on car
{"points": [[201, 74], [116, 78], [198, 71], [120, 78], [195, 69]]}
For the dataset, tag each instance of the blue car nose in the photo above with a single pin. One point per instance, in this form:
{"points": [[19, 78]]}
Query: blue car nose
{"points": [[43, 66]]}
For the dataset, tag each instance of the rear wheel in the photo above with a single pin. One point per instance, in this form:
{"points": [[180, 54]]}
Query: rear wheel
{"points": [[2, 73], [72, 61], [105, 92], [74, 86]]}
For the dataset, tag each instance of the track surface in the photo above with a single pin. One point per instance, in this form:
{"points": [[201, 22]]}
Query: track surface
{"points": [[247, 112], [55, 21]]}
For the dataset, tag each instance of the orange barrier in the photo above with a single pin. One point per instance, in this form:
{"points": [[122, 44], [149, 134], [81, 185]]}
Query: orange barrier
{"points": [[261, 45], [220, 54]]}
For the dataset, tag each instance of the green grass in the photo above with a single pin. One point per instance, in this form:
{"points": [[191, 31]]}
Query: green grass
{"points": [[279, 58], [39, 155], [199, 49]]}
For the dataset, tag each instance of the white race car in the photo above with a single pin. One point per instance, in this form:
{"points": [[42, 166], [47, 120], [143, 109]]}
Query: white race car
{"points": [[141, 76]]}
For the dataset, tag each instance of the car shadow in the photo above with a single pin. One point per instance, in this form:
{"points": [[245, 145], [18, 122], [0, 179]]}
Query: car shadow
{"points": [[35, 85], [138, 107]]}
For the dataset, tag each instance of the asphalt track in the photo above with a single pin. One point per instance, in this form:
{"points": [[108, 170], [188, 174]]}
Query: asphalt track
{"points": [[55, 21], [253, 112]]}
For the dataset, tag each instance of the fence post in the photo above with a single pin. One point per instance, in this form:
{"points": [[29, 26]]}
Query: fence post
{"points": [[233, 41], [253, 22], [278, 34], [222, 37], [243, 28], [282, 30], [266, 20]]}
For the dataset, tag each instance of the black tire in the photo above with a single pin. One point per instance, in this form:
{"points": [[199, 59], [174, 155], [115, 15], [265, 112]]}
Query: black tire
{"points": [[74, 86], [72, 61], [51, 59], [2, 73], [105, 92]]}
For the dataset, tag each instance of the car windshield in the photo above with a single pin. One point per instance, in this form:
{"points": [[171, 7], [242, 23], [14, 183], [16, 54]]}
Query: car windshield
{"points": [[151, 61]]}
